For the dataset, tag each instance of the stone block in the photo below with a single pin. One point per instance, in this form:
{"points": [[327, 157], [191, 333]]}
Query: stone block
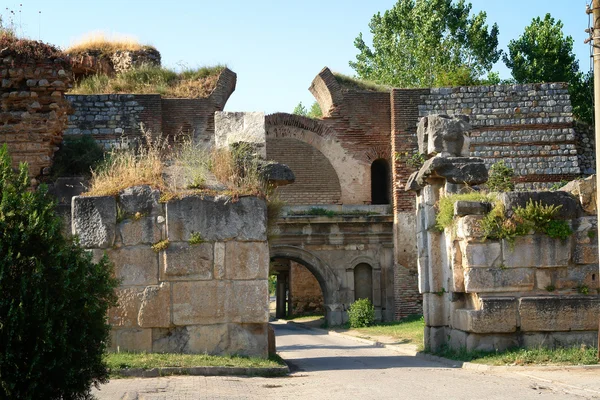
{"points": [[249, 340], [246, 260], [217, 219], [134, 340], [560, 339], [197, 303], [183, 261], [140, 199], [469, 228], [125, 314], [536, 251], [208, 339], [497, 315], [569, 204], [443, 134], [94, 220], [248, 301], [490, 280], [219, 262], [462, 208], [491, 343], [423, 272], [585, 190], [458, 274], [135, 266], [438, 262], [170, 340], [155, 308], [559, 313], [576, 276], [481, 255], [585, 254], [434, 309], [142, 231], [435, 338], [247, 127], [457, 339], [543, 279]]}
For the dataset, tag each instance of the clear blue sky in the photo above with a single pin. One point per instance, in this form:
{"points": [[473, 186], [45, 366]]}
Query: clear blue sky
{"points": [[276, 47]]}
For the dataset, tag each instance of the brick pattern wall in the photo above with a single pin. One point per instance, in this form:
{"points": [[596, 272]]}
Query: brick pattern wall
{"points": [[530, 127], [305, 291], [189, 116], [316, 180], [112, 119]]}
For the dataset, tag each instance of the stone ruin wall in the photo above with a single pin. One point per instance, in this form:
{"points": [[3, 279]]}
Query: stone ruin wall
{"points": [[33, 111], [483, 294], [208, 297], [113, 118]]}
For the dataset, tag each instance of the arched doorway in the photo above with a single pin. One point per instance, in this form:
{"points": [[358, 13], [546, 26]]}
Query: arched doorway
{"points": [[380, 182], [328, 281]]}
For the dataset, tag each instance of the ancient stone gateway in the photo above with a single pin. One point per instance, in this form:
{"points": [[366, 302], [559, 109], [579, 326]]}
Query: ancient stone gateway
{"points": [[351, 242]]}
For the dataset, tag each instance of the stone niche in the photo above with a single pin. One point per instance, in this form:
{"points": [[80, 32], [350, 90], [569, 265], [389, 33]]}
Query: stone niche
{"points": [[193, 270], [33, 112]]}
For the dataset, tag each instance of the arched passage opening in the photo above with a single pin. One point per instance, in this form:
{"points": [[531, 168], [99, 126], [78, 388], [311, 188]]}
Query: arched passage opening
{"points": [[380, 182], [328, 282]]}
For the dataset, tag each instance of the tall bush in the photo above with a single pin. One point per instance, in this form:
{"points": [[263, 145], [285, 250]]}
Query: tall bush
{"points": [[53, 299], [361, 313]]}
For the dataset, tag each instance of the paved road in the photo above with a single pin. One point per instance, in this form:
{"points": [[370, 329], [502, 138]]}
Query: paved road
{"points": [[329, 367]]}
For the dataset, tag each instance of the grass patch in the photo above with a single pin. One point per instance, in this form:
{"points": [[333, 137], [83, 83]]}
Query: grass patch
{"points": [[408, 330], [540, 356], [124, 360], [160, 246], [100, 42], [304, 318], [147, 79], [350, 83], [195, 238]]}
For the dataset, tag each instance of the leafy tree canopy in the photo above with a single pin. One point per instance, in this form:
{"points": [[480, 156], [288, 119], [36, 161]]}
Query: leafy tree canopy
{"points": [[314, 112], [424, 43]]}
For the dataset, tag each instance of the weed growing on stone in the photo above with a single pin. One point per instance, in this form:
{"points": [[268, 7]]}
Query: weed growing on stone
{"points": [[160, 246], [591, 234], [500, 178], [195, 238], [550, 288], [104, 44], [445, 216], [583, 289]]}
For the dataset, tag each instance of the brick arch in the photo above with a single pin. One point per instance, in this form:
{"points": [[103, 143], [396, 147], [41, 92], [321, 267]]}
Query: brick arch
{"points": [[353, 173]]}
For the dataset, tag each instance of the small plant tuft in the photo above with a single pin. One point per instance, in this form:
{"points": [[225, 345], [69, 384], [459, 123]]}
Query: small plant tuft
{"points": [[361, 313], [583, 289], [500, 178], [550, 288], [160, 246], [445, 216], [195, 238]]}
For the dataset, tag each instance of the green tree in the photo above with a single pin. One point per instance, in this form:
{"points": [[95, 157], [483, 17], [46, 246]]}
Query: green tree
{"points": [[544, 54], [54, 302], [314, 112], [424, 43]]}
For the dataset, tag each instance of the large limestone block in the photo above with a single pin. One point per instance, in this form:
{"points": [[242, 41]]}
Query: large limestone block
{"points": [[576, 276], [208, 339], [560, 339], [134, 340], [585, 189], [491, 343], [443, 134], [438, 262], [249, 340], [183, 261], [197, 303], [246, 260], [155, 307], [248, 301], [217, 219], [125, 314], [94, 220], [497, 315], [493, 280], [536, 251], [142, 231], [585, 254], [457, 170], [559, 313], [481, 255], [170, 340], [135, 266], [219, 262], [435, 338], [140, 199], [569, 205], [434, 309], [469, 228], [247, 127]]}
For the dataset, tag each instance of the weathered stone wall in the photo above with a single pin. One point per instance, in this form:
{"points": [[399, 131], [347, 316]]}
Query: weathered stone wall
{"points": [[33, 110], [110, 117], [483, 294], [204, 290], [305, 291]]}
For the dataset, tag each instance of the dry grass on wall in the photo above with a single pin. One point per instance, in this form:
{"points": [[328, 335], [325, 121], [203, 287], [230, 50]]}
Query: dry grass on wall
{"points": [[105, 44], [190, 83], [182, 169]]}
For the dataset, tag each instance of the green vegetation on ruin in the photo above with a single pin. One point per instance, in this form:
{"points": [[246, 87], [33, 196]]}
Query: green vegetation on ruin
{"points": [[190, 83], [350, 83]]}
